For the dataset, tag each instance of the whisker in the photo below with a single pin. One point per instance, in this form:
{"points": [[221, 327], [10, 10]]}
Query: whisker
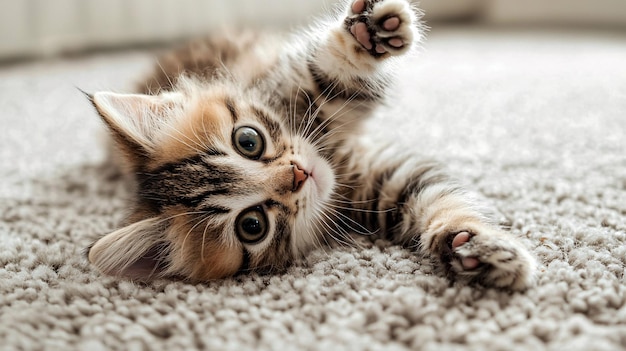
{"points": [[195, 148], [336, 114], [311, 135], [308, 114], [351, 201], [340, 232], [361, 229], [166, 76], [203, 240], [362, 210], [317, 240], [205, 218]]}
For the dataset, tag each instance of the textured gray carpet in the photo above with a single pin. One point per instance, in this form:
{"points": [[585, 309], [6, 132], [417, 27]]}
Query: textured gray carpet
{"points": [[535, 120]]}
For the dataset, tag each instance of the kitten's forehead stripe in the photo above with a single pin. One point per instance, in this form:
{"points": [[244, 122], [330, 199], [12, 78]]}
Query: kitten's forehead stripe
{"points": [[214, 152], [230, 105], [271, 125], [172, 166], [215, 210], [189, 183]]}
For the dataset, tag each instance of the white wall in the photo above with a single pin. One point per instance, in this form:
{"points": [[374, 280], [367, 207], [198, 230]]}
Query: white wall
{"points": [[597, 13], [47, 27]]}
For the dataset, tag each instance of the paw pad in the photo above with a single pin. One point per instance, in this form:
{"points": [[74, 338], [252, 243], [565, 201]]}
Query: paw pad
{"points": [[459, 240], [381, 27], [489, 256], [359, 31], [391, 23]]}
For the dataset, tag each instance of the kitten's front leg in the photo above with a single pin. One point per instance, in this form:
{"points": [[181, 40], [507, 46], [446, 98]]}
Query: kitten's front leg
{"points": [[342, 65], [352, 51], [449, 224], [473, 250], [418, 204]]}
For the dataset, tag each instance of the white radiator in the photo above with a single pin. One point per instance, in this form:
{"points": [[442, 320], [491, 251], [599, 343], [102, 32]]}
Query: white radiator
{"points": [[47, 27]]}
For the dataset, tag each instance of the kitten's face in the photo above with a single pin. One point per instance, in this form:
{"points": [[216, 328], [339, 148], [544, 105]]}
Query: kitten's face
{"points": [[224, 186]]}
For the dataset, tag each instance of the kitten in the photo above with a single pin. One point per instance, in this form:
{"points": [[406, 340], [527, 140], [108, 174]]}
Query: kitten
{"points": [[246, 146]]}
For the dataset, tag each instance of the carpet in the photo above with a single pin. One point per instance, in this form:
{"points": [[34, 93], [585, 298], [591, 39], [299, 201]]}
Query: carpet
{"points": [[533, 119]]}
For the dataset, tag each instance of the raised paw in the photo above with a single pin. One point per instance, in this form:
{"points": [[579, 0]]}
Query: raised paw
{"points": [[491, 258], [382, 27]]}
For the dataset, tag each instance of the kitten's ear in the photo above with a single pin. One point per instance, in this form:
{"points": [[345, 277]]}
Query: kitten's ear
{"points": [[135, 119], [137, 251]]}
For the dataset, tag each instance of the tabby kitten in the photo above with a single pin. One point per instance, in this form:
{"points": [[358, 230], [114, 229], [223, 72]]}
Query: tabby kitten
{"points": [[246, 154]]}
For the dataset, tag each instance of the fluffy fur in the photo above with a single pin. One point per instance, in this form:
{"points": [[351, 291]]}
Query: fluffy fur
{"points": [[248, 152]]}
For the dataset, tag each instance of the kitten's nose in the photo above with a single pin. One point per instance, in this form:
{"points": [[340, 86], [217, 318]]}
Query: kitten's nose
{"points": [[299, 176]]}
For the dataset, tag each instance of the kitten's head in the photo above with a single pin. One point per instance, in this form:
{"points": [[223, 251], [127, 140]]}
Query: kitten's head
{"points": [[224, 185]]}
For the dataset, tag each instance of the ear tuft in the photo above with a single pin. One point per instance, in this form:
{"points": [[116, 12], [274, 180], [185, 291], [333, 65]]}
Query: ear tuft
{"points": [[136, 119], [137, 251]]}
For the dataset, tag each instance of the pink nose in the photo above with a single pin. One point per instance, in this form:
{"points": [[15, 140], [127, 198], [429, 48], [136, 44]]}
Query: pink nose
{"points": [[299, 177]]}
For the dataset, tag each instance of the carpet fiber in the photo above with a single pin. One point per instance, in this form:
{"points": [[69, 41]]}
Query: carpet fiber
{"points": [[536, 121]]}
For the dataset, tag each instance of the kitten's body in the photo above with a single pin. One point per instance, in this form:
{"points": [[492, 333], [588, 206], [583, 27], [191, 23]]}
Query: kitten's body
{"points": [[246, 154]]}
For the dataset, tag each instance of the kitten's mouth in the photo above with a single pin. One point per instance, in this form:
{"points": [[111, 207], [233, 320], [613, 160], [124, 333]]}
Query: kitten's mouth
{"points": [[323, 179]]}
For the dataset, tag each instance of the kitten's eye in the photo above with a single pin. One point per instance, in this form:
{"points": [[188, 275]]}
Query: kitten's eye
{"points": [[251, 225], [249, 142]]}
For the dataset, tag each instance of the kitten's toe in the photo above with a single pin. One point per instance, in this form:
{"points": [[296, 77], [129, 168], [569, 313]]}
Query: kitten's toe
{"points": [[491, 258], [360, 33], [358, 6], [467, 262]]}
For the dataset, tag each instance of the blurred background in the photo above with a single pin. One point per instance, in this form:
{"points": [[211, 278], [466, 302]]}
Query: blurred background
{"points": [[43, 28]]}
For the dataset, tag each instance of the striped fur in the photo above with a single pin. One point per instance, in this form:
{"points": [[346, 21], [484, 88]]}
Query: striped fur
{"points": [[306, 97]]}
